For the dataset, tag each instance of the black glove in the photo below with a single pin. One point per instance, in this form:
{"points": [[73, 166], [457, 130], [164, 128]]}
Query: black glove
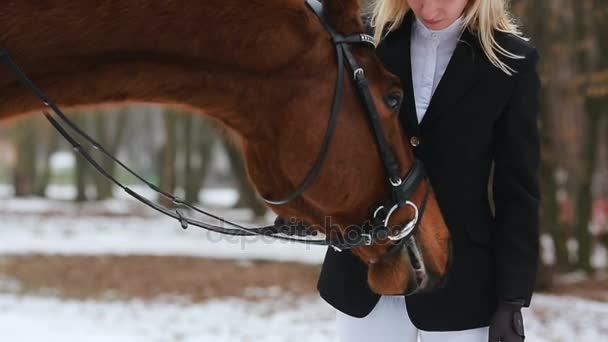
{"points": [[507, 324]]}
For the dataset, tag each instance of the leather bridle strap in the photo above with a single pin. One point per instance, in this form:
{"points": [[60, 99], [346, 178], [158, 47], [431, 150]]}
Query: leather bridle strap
{"points": [[341, 43], [401, 190], [331, 128], [388, 158]]}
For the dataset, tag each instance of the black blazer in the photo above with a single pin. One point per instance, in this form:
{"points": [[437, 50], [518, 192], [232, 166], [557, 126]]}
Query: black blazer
{"points": [[478, 115]]}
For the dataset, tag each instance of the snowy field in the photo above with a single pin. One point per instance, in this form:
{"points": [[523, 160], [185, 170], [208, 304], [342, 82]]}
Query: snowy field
{"points": [[59, 227], [33, 319], [45, 319]]}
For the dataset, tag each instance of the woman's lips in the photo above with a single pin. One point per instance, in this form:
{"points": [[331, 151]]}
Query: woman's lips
{"points": [[431, 22]]}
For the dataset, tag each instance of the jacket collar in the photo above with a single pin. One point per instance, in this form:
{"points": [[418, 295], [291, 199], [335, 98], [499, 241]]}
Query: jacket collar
{"points": [[458, 79], [452, 32]]}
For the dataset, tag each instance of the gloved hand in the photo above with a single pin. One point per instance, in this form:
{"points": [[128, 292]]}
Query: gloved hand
{"points": [[507, 324]]}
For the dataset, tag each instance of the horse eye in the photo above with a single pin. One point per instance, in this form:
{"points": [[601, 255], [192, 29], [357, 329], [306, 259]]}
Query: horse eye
{"points": [[393, 101]]}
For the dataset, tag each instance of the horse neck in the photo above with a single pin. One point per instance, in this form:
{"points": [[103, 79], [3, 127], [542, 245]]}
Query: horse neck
{"points": [[224, 58]]}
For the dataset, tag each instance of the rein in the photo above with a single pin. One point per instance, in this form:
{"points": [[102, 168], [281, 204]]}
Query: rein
{"points": [[372, 231]]}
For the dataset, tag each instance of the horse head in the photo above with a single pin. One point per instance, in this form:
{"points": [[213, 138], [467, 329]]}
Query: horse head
{"points": [[267, 71], [352, 183]]}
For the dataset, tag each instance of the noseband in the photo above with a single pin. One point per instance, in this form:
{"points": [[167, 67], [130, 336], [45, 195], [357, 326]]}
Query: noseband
{"points": [[371, 232]]}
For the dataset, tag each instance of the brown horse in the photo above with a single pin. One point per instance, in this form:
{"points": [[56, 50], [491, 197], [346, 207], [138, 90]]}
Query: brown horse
{"points": [[263, 68]]}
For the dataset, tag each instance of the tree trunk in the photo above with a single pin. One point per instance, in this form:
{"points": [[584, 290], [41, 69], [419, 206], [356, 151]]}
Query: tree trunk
{"points": [[584, 199], [168, 156], [594, 102], [248, 198], [604, 236], [549, 210], [111, 140], [24, 175], [204, 139], [44, 167], [190, 188], [81, 168]]}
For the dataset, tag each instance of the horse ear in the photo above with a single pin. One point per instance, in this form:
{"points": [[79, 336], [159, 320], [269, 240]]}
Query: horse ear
{"points": [[344, 15]]}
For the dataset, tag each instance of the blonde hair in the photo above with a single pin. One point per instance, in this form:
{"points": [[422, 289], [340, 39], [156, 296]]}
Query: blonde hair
{"points": [[481, 17]]}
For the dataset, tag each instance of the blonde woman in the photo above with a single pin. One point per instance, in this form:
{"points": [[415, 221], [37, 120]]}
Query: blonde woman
{"points": [[471, 100]]}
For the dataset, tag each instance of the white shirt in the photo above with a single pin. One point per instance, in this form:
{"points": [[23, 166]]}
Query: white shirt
{"points": [[430, 52]]}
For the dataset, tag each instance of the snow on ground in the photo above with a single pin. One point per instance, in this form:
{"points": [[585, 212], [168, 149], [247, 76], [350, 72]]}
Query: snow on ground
{"points": [[59, 227], [92, 228], [122, 226], [153, 235], [25, 319], [59, 197], [555, 318]]}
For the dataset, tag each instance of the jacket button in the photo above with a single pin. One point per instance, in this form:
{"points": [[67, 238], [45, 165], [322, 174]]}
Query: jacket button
{"points": [[414, 141]]}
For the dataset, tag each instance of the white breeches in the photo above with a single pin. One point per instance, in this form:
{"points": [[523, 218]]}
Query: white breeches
{"points": [[389, 322]]}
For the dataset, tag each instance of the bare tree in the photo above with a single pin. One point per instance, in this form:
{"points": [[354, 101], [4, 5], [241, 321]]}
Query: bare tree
{"points": [[24, 174], [590, 19], [248, 197], [200, 136], [168, 155], [110, 133]]}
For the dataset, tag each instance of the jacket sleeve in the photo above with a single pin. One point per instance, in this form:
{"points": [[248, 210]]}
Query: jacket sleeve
{"points": [[516, 187]]}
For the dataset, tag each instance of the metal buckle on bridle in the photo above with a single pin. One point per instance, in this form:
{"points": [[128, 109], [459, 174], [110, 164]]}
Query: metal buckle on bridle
{"points": [[366, 38], [396, 182], [367, 239], [377, 211], [409, 227], [358, 74], [336, 248]]}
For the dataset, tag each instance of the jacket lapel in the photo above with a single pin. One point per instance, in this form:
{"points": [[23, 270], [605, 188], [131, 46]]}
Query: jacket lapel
{"points": [[459, 77]]}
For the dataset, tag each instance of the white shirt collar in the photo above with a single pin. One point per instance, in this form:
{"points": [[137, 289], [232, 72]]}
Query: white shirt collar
{"points": [[451, 32]]}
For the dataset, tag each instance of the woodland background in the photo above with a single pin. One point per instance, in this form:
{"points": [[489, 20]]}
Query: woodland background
{"points": [[571, 35], [191, 157]]}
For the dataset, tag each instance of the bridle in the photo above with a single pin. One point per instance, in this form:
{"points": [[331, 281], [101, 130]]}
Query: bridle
{"points": [[372, 231]]}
